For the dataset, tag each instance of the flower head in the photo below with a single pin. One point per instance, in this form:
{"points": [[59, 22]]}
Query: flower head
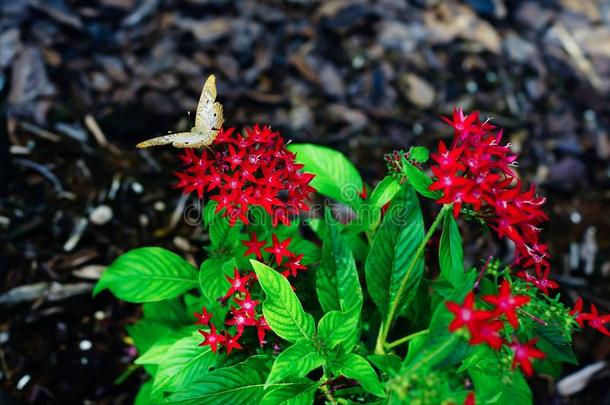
{"points": [[466, 315], [505, 303], [211, 338], [523, 353], [254, 169], [203, 318]]}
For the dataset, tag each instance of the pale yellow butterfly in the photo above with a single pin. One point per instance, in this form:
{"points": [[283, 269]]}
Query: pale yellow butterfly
{"points": [[208, 121]]}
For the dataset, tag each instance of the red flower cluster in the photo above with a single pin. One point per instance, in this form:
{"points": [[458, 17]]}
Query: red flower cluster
{"points": [[242, 315], [245, 170], [593, 319], [279, 250], [477, 170], [485, 326], [245, 313]]}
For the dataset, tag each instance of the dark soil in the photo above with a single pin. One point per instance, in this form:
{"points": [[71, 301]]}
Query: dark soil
{"points": [[363, 77]]}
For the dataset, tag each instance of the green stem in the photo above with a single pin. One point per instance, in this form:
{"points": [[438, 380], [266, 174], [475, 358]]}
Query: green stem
{"points": [[406, 338], [326, 391], [386, 324]]}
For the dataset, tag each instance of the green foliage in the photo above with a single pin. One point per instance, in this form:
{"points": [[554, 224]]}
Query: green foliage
{"points": [[337, 327], [450, 254], [494, 381], [235, 385], [336, 177], [184, 362], [337, 281], [388, 263], [358, 368], [148, 274], [282, 309], [294, 392], [333, 363], [296, 361], [419, 180], [419, 154]]}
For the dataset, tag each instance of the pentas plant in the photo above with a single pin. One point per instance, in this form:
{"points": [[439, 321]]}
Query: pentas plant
{"points": [[351, 303]]}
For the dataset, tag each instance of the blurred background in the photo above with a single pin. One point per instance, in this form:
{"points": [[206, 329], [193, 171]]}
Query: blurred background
{"points": [[83, 81]]}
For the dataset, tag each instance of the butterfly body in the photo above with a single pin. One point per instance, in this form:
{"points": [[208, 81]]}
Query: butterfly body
{"points": [[208, 121]]}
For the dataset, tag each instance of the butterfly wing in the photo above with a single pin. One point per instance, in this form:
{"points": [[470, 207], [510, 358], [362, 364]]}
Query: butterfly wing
{"points": [[178, 137], [209, 118]]}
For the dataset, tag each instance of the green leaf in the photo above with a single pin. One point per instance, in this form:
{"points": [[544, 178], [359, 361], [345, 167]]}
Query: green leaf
{"points": [[337, 281], [213, 282], [451, 254], [171, 312], [223, 237], [419, 180], [297, 392], [336, 177], [388, 363], [554, 344], [394, 245], [156, 353], [356, 367], [241, 384], [383, 193], [336, 327], [148, 274], [440, 347], [282, 309], [296, 361], [144, 394], [185, 361], [494, 382], [145, 333], [419, 154]]}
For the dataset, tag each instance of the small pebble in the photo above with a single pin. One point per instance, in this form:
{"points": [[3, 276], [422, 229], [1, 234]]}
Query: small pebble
{"points": [[575, 217], [23, 381], [101, 215], [418, 128], [182, 244], [590, 115], [85, 345], [99, 315], [4, 337], [472, 86], [159, 206], [137, 187], [144, 221]]}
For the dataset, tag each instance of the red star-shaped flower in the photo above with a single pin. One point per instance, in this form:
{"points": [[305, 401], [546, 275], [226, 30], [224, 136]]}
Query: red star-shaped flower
{"points": [[596, 321], [488, 332], [523, 353], [466, 315], [211, 338], [238, 284], [230, 342], [254, 246], [240, 320], [279, 249], [293, 265], [261, 328], [203, 318], [506, 303], [579, 316], [248, 305]]}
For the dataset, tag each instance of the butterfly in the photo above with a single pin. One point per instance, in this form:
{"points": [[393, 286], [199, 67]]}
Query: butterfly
{"points": [[208, 121]]}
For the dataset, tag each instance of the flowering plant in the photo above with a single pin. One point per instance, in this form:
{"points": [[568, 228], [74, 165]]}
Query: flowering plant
{"points": [[354, 300]]}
